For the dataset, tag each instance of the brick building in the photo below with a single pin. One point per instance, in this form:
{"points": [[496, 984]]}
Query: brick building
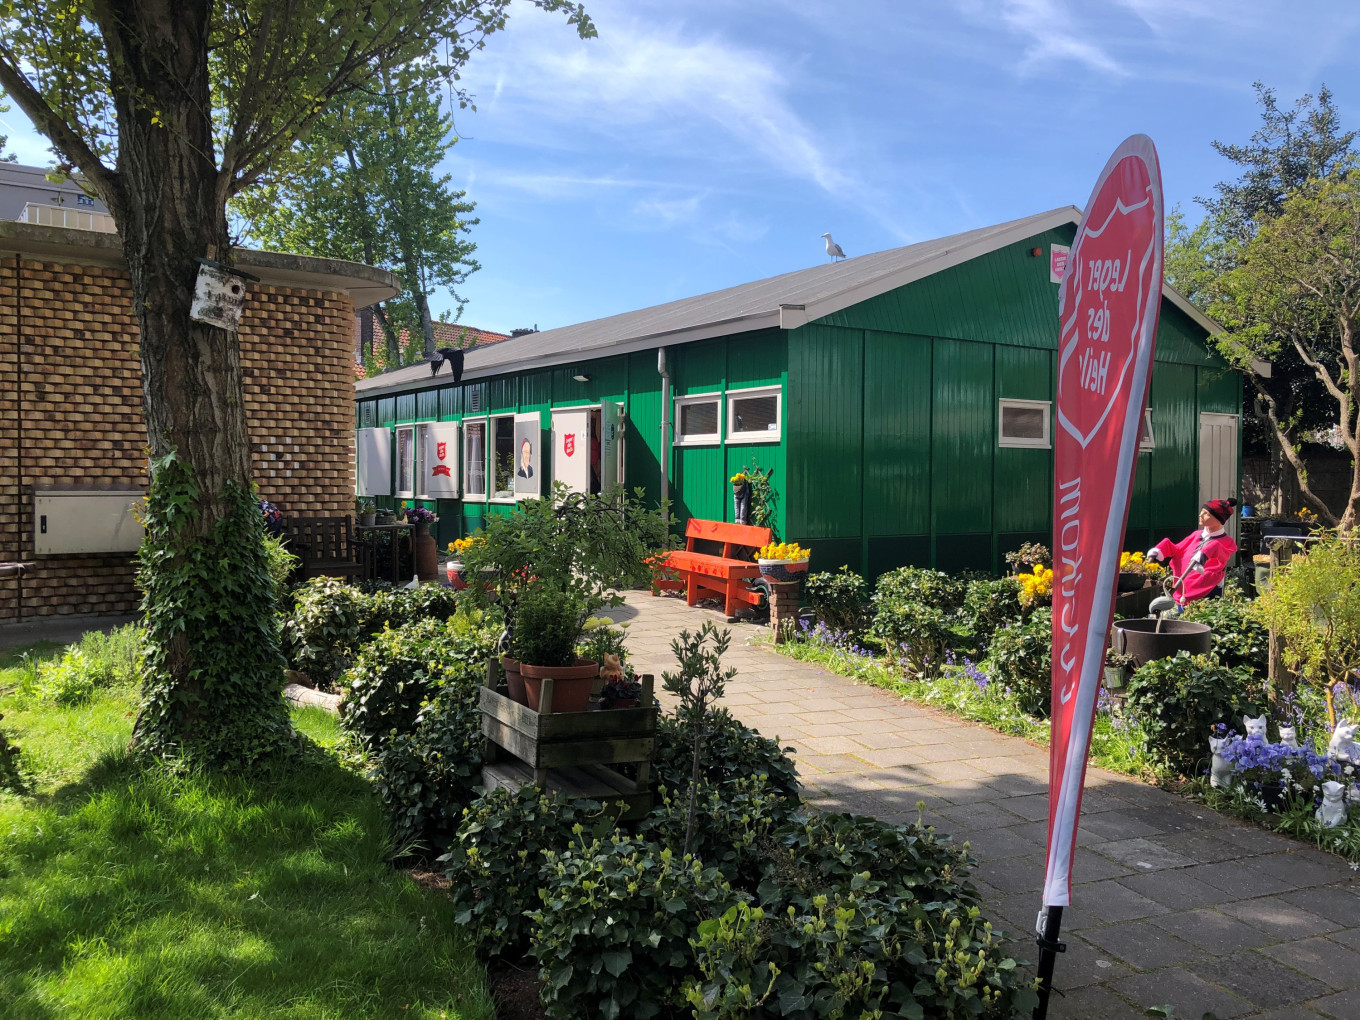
{"points": [[71, 395]]}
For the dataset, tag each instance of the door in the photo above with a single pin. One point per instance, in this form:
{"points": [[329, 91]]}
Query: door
{"points": [[571, 448], [1218, 460]]}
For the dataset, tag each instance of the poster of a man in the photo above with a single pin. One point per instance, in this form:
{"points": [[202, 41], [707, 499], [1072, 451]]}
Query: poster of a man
{"points": [[527, 463]]}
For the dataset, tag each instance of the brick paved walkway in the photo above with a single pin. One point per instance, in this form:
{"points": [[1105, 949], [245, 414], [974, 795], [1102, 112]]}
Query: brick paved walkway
{"points": [[1174, 904]]}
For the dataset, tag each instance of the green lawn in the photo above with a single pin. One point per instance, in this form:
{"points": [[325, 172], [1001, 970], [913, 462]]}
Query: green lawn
{"points": [[130, 893]]}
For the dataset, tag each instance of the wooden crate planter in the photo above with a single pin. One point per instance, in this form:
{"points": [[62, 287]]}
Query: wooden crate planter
{"points": [[569, 751]]}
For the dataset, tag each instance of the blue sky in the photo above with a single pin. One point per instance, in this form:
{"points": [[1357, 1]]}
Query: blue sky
{"points": [[702, 144]]}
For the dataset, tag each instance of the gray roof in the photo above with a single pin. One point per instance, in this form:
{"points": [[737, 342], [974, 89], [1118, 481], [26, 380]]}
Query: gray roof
{"points": [[785, 301]]}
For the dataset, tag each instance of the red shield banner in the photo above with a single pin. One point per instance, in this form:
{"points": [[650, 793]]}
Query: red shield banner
{"points": [[569, 443], [1108, 309], [441, 450]]}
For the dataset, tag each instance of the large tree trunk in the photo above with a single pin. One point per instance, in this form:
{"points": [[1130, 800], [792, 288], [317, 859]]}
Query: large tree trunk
{"points": [[214, 673]]}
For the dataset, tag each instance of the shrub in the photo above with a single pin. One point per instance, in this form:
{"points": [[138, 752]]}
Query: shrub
{"points": [[395, 606], [547, 625], [1239, 639], [1021, 657], [838, 599], [12, 776], [321, 635], [1313, 602], [601, 902], [494, 863], [281, 564], [991, 604], [732, 753], [399, 670], [916, 616], [1178, 700], [95, 662], [732, 827]]}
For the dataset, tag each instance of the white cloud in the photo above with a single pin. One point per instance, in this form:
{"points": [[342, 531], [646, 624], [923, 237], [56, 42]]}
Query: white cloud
{"points": [[1054, 36], [658, 87]]}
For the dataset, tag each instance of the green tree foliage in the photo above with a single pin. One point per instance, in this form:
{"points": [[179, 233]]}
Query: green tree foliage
{"points": [[1292, 147], [167, 110], [365, 185]]}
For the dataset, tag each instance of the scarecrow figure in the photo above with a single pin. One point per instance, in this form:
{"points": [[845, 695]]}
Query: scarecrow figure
{"points": [[1200, 559]]}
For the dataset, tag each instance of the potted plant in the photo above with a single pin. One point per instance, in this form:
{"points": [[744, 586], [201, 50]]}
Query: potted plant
{"points": [[426, 552], [548, 622], [782, 562], [622, 691], [1135, 570], [454, 566], [384, 516], [551, 563], [1118, 669], [364, 512]]}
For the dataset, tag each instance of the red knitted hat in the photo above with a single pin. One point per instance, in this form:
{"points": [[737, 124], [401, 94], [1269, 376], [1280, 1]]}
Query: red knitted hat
{"points": [[1221, 509]]}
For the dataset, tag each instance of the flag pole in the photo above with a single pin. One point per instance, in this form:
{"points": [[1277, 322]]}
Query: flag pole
{"points": [[1050, 922]]}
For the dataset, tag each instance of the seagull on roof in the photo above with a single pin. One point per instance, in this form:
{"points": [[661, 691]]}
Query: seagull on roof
{"points": [[833, 249]]}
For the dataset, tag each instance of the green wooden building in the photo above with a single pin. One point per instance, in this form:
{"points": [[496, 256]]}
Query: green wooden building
{"points": [[903, 401]]}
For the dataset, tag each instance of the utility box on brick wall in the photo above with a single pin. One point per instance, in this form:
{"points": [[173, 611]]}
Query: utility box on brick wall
{"points": [[85, 521]]}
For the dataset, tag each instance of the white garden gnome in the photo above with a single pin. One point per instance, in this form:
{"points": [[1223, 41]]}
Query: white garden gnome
{"points": [[1333, 810]]}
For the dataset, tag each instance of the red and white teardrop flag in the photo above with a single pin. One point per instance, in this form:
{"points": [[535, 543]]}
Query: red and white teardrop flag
{"points": [[1107, 312]]}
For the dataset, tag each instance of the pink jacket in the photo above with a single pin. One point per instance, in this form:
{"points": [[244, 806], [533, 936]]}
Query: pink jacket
{"points": [[1203, 578]]}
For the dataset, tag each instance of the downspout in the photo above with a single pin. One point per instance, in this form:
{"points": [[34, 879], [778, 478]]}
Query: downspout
{"points": [[665, 436]]}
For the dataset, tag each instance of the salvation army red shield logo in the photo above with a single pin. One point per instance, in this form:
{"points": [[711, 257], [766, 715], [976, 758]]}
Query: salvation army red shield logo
{"points": [[569, 443], [441, 450], [1102, 307]]}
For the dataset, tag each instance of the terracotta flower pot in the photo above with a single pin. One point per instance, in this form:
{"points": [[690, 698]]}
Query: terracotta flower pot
{"points": [[571, 684], [783, 570], [426, 552], [514, 680]]}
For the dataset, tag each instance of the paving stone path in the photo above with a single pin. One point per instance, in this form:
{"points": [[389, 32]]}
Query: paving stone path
{"points": [[1174, 903]]}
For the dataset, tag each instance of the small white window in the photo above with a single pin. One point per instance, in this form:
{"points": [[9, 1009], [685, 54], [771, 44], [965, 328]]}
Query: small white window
{"points": [[696, 419], [406, 461], [1024, 423], [753, 415], [503, 458], [418, 456], [474, 459], [1146, 440]]}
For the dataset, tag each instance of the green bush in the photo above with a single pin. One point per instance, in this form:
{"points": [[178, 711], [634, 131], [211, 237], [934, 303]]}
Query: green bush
{"points": [[281, 564], [732, 753], [330, 620], [1020, 657], [399, 670], [12, 778], [733, 825], [1313, 603], [547, 625], [989, 605], [916, 616], [97, 661], [494, 863], [1239, 638], [838, 599], [612, 933], [1178, 700]]}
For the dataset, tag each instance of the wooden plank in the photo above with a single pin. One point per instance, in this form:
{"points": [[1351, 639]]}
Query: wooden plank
{"points": [[613, 722], [591, 752], [734, 534], [504, 735], [519, 717], [590, 783]]}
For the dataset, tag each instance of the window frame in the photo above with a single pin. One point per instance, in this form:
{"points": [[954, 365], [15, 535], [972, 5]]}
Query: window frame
{"points": [[701, 438], [399, 462], [468, 494], [766, 436], [1018, 442], [491, 459]]}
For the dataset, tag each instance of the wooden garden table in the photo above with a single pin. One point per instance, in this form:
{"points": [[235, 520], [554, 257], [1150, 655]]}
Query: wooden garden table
{"points": [[395, 531]]}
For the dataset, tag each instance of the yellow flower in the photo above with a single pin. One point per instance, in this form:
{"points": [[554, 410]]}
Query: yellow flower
{"points": [[740, 477], [783, 551]]}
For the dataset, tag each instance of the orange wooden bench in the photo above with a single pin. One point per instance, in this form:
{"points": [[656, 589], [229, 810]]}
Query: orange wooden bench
{"points": [[708, 575]]}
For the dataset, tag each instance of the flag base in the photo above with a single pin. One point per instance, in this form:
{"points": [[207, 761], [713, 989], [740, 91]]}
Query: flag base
{"points": [[1050, 923]]}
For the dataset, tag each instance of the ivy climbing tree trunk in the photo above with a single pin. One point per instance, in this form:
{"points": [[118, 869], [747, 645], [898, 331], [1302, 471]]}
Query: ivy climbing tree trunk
{"points": [[215, 674]]}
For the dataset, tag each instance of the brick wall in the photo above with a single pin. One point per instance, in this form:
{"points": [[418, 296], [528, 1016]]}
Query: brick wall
{"points": [[70, 413]]}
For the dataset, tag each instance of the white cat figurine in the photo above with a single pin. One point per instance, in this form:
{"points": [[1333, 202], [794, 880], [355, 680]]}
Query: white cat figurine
{"points": [[1220, 769], [1289, 737], [1333, 810], [1256, 728], [1342, 745]]}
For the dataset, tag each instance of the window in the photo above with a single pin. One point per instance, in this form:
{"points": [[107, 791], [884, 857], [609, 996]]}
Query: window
{"points": [[753, 415], [1146, 440], [418, 456], [696, 420], [1024, 423], [474, 459], [406, 461], [503, 458]]}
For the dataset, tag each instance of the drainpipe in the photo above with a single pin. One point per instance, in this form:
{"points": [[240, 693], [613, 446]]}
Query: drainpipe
{"points": [[665, 435]]}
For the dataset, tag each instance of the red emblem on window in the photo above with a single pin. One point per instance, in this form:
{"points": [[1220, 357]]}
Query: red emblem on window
{"points": [[569, 443]]}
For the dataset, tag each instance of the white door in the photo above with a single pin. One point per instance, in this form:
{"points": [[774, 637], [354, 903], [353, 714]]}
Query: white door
{"points": [[571, 448], [1218, 460], [611, 446]]}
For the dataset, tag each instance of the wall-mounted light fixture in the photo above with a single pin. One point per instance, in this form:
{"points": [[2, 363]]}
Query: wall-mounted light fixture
{"points": [[581, 377], [1035, 252]]}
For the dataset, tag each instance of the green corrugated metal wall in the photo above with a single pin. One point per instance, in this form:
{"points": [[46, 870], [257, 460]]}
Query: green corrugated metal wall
{"points": [[889, 452]]}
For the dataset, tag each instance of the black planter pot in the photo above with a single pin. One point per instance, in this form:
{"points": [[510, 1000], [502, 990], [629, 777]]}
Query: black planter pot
{"points": [[1144, 641]]}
